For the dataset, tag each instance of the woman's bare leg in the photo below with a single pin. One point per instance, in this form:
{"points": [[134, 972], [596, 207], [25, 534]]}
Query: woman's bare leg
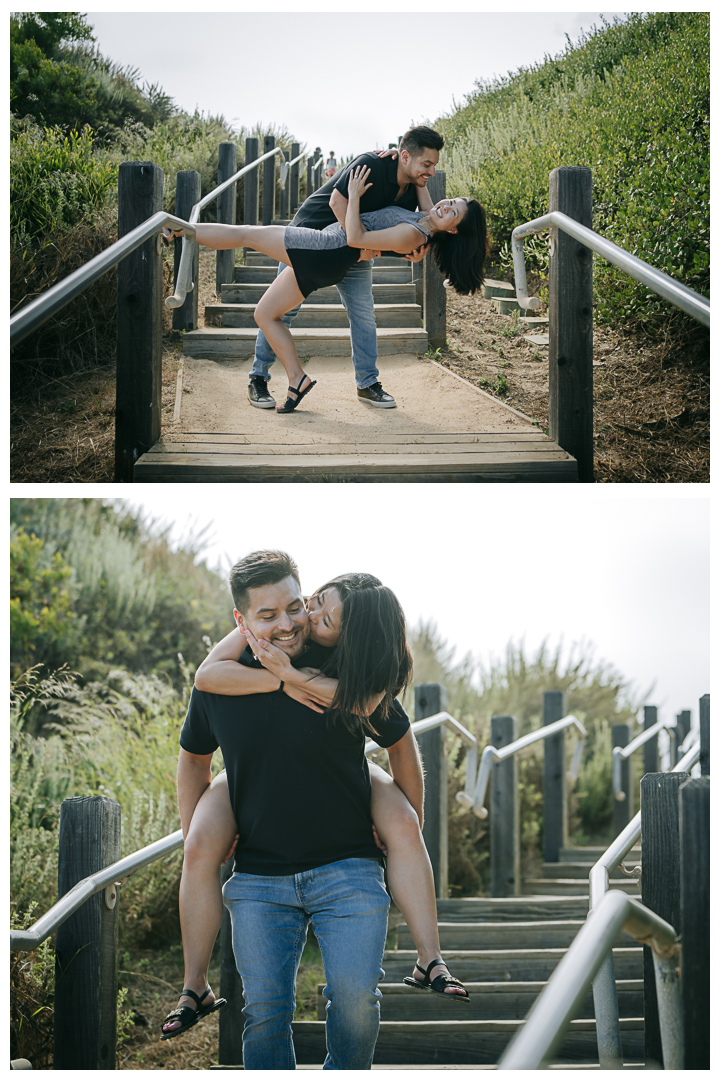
{"points": [[283, 295], [208, 841], [269, 239], [409, 871]]}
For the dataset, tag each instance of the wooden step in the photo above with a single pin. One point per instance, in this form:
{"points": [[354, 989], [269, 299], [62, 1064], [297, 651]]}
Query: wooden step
{"points": [[219, 343], [259, 274], [488, 1001], [497, 288], [494, 909], [578, 869], [311, 315], [573, 886], [506, 305], [443, 1042], [506, 965], [553, 934], [382, 294], [592, 854]]}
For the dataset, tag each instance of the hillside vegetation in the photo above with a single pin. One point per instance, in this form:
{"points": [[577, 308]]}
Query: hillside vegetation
{"points": [[631, 101]]}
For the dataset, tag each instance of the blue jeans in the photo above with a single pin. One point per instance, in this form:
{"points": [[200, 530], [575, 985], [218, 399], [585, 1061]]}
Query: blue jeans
{"points": [[348, 905], [356, 294]]}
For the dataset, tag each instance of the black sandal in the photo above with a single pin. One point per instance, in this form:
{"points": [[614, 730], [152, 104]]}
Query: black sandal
{"points": [[189, 1017], [292, 403], [438, 984]]}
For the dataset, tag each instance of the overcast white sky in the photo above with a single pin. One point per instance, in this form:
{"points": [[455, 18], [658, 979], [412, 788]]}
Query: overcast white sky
{"points": [[346, 82], [627, 572]]}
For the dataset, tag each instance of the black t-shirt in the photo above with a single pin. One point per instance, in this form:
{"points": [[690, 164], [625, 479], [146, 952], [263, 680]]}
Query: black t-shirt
{"points": [[299, 784], [315, 212]]}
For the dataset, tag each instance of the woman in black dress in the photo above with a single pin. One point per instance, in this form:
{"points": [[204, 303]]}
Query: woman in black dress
{"points": [[455, 229]]}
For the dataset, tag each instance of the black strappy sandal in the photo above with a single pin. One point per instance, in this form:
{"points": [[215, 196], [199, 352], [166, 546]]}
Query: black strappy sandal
{"points": [[292, 403], [438, 984], [189, 1017]]}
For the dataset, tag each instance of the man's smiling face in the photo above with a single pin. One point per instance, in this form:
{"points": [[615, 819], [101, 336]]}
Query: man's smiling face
{"points": [[277, 613]]}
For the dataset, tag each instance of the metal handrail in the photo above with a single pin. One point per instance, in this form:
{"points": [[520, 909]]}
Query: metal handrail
{"points": [[552, 1012], [39, 310], [607, 1016], [678, 294], [67, 905], [490, 756], [436, 720], [622, 753], [184, 283]]}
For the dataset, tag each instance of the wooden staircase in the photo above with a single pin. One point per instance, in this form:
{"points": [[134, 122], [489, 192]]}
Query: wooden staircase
{"points": [[504, 950]]}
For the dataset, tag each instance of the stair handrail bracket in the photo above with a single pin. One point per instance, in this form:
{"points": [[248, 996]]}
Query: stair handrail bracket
{"points": [[622, 753], [678, 294], [418, 727], [67, 905], [490, 756], [185, 282], [542, 1032], [34, 314]]}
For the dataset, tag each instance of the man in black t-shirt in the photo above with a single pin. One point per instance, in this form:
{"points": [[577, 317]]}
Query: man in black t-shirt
{"points": [[397, 181], [300, 792]]}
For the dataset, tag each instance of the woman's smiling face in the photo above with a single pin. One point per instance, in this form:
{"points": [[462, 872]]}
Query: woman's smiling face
{"points": [[325, 614]]}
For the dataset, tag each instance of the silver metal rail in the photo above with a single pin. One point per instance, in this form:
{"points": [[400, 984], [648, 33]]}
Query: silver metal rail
{"points": [[457, 728], [185, 282], [548, 1019], [38, 311], [607, 1016], [622, 753], [678, 294], [104, 880], [490, 755]]}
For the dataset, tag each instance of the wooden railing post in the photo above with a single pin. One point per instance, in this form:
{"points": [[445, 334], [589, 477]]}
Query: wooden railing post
{"points": [[434, 294], [251, 190], [268, 168], [309, 175], [86, 961], [570, 301], [695, 919], [682, 731], [650, 748], [623, 811], [138, 376], [231, 1018], [660, 881], [431, 698], [504, 812], [227, 167], [187, 193], [554, 794], [294, 179], [285, 192], [705, 735]]}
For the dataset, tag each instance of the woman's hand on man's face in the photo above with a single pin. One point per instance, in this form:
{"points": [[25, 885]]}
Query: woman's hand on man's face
{"points": [[271, 656]]}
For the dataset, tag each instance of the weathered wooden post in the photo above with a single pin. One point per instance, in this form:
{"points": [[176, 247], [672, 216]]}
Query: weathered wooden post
{"points": [[650, 748], [309, 176], [285, 193], [504, 812], [660, 881], [695, 919], [268, 199], [623, 811], [294, 179], [434, 295], [682, 731], [431, 698], [187, 193], [86, 961], [251, 191], [138, 377], [705, 735], [570, 303], [232, 1021], [555, 823], [227, 167]]}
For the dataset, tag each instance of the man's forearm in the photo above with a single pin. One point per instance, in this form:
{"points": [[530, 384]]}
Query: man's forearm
{"points": [[406, 769], [193, 777], [338, 205]]}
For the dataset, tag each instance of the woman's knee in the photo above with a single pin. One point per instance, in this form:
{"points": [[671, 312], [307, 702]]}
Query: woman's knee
{"points": [[401, 827], [205, 846]]}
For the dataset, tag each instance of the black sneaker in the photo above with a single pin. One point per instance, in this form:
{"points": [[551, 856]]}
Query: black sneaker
{"points": [[375, 395], [258, 394]]}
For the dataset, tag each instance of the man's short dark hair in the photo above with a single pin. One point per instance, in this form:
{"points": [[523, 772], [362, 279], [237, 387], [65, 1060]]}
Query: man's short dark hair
{"points": [[259, 568], [417, 138]]}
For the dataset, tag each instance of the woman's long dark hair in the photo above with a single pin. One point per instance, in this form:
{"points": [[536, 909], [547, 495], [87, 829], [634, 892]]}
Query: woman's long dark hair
{"points": [[372, 655], [461, 256]]}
